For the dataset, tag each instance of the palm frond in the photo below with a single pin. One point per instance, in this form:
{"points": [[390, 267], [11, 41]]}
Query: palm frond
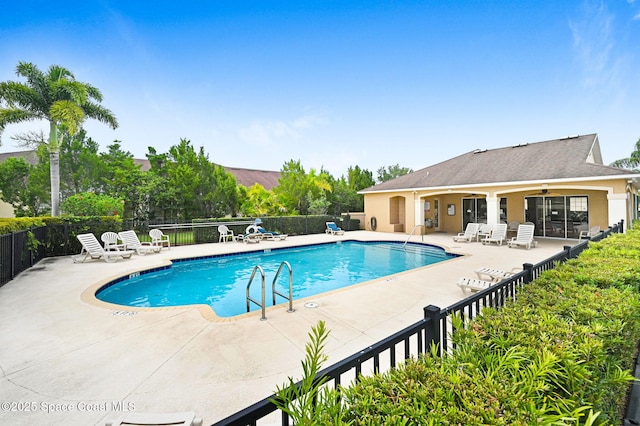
{"points": [[100, 113]]}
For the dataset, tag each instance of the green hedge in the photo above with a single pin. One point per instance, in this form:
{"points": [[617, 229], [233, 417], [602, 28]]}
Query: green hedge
{"points": [[561, 354]]}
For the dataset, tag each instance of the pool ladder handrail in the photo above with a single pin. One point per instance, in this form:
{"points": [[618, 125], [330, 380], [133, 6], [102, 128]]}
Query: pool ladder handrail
{"points": [[251, 299], [263, 304], [411, 233], [275, 292]]}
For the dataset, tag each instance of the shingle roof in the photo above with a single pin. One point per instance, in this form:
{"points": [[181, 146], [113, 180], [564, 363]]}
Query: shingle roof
{"points": [[29, 156], [567, 158]]}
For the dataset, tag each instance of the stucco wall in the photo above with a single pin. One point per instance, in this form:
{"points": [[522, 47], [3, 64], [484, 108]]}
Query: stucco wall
{"points": [[6, 209]]}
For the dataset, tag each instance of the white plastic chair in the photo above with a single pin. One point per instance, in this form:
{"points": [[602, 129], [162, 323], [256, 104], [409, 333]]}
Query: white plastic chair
{"points": [[158, 238], [225, 234], [470, 233]]}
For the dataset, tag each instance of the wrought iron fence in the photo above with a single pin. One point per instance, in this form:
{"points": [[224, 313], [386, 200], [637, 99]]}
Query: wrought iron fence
{"points": [[19, 251], [417, 338]]}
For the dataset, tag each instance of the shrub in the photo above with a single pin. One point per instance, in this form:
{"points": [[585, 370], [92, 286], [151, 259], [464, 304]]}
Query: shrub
{"points": [[91, 204]]}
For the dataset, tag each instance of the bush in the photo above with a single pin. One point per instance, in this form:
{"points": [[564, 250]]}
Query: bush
{"points": [[90, 204], [560, 354]]}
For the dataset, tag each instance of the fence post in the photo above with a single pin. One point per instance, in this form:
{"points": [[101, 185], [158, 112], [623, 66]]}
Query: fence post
{"points": [[567, 250], [528, 269], [13, 254], [432, 331]]}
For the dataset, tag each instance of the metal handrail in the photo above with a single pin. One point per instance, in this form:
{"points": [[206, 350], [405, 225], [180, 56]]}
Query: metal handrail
{"points": [[411, 233], [250, 299], [273, 286]]}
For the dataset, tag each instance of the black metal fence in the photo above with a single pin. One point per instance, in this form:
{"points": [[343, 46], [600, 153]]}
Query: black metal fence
{"points": [[434, 328], [19, 251]]}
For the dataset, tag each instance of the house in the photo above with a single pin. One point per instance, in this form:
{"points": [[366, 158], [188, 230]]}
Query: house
{"points": [[560, 185]]}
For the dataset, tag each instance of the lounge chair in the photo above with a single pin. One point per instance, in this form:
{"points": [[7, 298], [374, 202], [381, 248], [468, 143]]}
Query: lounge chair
{"points": [[250, 235], [92, 249], [158, 238], [132, 242], [271, 235], [513, 228], [470, 233], [595, 230], [333, 229], [496, 275], [187, 418], [524, 237], [473, 284], [225, 234], [498, 234], [484, 231]]}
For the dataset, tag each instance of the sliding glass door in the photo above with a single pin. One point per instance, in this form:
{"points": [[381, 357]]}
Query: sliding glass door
{"points": [[558, 216]]}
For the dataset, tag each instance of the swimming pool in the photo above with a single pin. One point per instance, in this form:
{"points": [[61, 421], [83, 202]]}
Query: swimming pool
{"points": [[221, 281]]}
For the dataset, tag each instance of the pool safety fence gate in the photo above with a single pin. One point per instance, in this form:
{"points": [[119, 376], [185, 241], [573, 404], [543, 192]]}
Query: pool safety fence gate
{"points": [[434, 328], [19, 251]]}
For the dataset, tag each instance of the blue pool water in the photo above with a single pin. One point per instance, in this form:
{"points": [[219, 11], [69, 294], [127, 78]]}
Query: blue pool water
{"points": [[221, 281]]}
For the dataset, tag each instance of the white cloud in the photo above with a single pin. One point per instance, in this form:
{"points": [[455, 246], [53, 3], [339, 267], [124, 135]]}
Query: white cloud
{"points": [[593, 42], [263, 132]]}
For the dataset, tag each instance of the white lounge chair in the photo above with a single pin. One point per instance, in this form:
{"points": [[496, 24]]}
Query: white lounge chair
{"points": [[225, 234], [250, 235], [595, 230], [333, 229], [187, 418], [132, 242], [91, 249], [473, 284], [496, 275], [270, 235], [158, 238], [470, 233], [484, 231], [524, 237], [498, 234]]}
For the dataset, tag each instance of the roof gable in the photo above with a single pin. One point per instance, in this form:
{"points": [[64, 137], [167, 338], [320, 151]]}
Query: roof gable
{"points": [[566, 158]]}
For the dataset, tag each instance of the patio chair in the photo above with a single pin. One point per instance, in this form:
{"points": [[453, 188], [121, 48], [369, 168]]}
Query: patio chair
{"points": [[513, 228], [187, 418], [270, 235], [110, 240], [524, 237], [470, 233], [225, 234], [250, 235], [158, 238], [595, 230], [498, 234], [496, 275], [132, 242], [473, 284], [333, 229], [91, 249], [484, 231]]}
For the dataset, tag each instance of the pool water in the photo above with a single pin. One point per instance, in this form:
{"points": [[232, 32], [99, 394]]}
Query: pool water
{"points": [[221, 281]]}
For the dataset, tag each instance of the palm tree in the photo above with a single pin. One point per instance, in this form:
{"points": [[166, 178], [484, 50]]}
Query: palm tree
{"points": [[57, 97], [631, 163]]}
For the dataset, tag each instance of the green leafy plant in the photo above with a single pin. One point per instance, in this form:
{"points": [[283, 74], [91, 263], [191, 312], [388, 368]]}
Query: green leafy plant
{"points": [[311, 401], [90, 204]]}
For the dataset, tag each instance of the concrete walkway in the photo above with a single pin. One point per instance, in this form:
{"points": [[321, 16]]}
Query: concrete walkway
{"points": [[67, 358]]}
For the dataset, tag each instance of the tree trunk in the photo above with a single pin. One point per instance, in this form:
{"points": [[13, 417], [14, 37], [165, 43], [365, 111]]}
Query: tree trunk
{"points": [[54, 169]]}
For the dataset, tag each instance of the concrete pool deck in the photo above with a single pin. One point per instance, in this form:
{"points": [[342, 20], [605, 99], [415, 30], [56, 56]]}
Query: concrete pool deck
{"points": [[68, 360]]}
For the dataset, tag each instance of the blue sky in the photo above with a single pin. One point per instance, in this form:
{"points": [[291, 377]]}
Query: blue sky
{"points": [[340, 83]]}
